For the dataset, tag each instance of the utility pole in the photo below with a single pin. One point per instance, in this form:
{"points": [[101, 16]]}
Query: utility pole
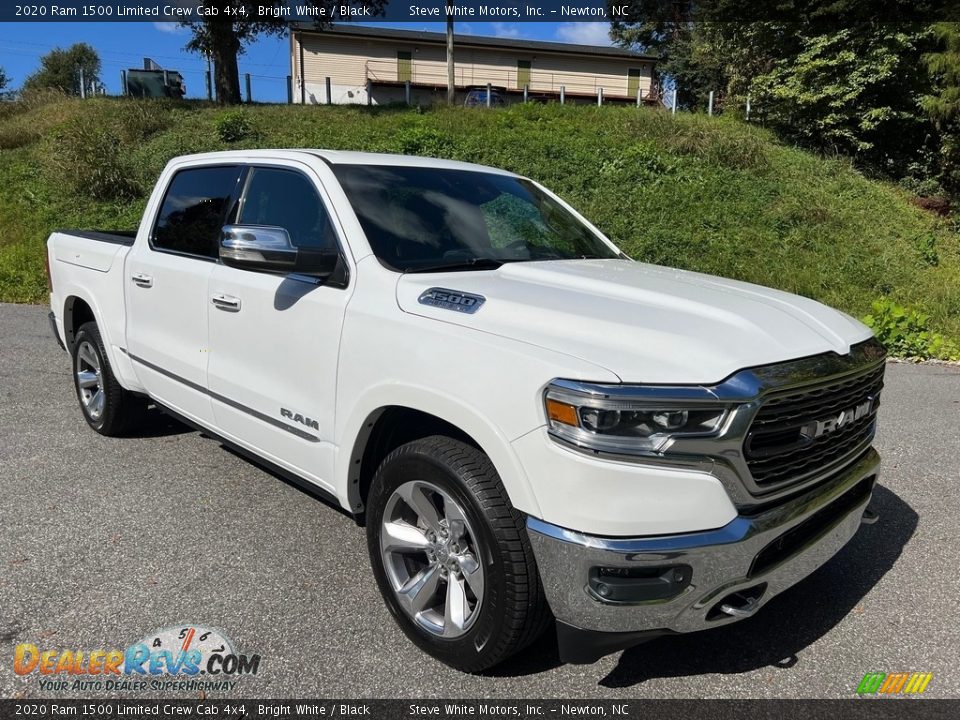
{"points": [[451, 74], [209, 79]]}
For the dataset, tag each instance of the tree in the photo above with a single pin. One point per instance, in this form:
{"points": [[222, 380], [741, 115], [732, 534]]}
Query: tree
{"points": [[62, 69], [943, 63], [223, 39], [855, 90], [942, 103], [4, 81]]}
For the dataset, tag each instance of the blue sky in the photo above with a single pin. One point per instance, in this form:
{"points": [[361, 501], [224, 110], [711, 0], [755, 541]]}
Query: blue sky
{"points": [[124, 44]]}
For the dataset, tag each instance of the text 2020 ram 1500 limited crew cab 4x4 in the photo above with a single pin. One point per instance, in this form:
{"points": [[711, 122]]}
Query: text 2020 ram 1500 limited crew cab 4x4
{"points": [[529, 424]]}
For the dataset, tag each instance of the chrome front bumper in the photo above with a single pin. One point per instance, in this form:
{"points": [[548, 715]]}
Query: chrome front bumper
{"points": [[734, 570]]}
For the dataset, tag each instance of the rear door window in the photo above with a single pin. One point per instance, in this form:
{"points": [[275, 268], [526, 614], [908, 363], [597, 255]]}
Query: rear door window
{"points": [[193, 210]]}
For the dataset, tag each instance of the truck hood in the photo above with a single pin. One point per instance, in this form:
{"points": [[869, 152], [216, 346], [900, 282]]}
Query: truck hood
{"points": [[644, 323]]}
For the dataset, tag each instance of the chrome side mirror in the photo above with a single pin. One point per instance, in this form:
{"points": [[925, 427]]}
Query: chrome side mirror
{"points": [[257, 247], [268, 249]]}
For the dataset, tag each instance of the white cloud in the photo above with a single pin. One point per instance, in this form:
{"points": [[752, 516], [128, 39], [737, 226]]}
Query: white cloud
{"points": [[503, 30], [584, 33], [169, 27]]}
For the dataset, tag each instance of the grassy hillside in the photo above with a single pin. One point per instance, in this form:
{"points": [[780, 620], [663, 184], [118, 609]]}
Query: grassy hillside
{"points": [[702, 193]]}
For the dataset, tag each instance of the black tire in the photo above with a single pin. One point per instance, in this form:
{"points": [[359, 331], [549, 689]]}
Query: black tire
{"points": [[120, 411], [513, 611]]}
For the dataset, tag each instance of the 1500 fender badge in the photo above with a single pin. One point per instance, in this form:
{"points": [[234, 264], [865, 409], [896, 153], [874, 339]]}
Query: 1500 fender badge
{"points": [[452, 300]]}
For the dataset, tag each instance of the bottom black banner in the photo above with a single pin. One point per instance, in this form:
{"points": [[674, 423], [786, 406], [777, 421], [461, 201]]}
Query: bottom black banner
{"points": [[867, 709]]}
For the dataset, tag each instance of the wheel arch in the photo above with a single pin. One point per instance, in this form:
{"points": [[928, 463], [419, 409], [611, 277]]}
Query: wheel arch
{"points": [[80, 306], [379, 431], [76, 312]]}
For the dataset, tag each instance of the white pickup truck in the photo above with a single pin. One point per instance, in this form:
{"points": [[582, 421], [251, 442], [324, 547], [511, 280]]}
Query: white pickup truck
{"points": [[530, 425]]}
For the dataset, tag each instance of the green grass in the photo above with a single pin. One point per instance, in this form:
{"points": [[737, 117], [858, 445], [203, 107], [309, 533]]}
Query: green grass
{"points": [[708, 194]]}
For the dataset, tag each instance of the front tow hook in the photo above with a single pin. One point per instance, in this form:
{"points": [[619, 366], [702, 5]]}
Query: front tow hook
{"points": [[741, 604], [869, 517], [745, 610]]}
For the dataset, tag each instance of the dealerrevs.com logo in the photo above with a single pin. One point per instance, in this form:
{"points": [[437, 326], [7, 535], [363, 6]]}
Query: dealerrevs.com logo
{"points": [[182, 657]]}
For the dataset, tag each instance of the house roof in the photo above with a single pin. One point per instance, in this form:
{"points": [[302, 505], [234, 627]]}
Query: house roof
{"points": [[423, 36]]}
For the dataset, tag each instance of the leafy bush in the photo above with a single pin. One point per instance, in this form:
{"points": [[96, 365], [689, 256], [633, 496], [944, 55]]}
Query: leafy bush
{"points": [[927, 249], [27, 100], [641, 162], [138, 119], [234, 126], [92, 161], [906, 333], [719, 141], [17, 135], [418, 139]]}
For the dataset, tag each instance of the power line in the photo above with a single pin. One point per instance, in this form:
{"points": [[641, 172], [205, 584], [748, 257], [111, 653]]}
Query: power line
{"points": [[125, 53]]}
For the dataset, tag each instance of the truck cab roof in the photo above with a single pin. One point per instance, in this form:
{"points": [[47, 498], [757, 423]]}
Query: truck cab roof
{"points": [[338, 157]]}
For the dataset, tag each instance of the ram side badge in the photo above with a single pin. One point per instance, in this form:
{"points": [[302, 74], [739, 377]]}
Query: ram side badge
{"points": [[452, 300]]}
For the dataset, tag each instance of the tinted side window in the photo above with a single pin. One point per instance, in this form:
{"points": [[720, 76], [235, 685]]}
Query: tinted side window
{"points": [[193, 210], [287, 199]]}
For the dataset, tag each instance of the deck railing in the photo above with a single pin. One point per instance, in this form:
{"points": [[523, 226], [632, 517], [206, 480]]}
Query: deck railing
{"points": [[468, 74]]}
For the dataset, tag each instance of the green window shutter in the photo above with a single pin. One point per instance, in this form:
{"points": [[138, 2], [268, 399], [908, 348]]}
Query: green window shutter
{"points": [[633, 82], [523, 73], [404, 66]]}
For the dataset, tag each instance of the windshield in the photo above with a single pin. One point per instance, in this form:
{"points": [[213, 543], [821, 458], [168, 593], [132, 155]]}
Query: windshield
{"points": [[430, 219]]}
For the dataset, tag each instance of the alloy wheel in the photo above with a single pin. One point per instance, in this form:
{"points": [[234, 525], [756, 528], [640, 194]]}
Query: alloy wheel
{"points": [[432, 559], [88, 380]]}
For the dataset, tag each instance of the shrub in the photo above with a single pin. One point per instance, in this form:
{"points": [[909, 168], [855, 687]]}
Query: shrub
{"points": [[641, 162], [234, 126], [27, 100], [418, 139], [719, 142], [17, 135], [905, 332], [927, 249], [138, 119], [92, 161]]}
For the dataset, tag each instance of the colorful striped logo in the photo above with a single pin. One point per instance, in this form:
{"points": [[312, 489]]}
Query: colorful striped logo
{"points": [[894, 683]]}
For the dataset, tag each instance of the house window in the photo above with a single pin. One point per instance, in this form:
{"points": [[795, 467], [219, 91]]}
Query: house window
{"points": [[633, 82], [523, 73], [404, 66]]}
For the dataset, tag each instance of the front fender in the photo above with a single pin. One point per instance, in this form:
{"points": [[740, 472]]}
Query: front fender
{"points": [[454, 411]]}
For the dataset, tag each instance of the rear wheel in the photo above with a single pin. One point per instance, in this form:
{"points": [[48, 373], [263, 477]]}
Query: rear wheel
{"points": [[106, 406], [451, 555]]}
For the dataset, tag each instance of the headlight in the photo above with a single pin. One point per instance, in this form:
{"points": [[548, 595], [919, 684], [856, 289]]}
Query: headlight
{"points": [[625, 424]]}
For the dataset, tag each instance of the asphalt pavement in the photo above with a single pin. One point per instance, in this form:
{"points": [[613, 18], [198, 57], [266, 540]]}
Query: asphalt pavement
{"points": [[104, 541]]}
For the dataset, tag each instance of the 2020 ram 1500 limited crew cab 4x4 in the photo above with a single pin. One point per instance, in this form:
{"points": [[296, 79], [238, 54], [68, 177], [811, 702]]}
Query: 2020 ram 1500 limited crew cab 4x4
{"points": [[529, 424]]}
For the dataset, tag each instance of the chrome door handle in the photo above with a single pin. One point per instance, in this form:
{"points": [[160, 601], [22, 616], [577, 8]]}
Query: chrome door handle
{"points": [[226, 302], [141, 280]]}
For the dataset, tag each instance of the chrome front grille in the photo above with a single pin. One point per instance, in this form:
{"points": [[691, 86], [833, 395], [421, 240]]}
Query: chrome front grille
{"points": [[805, 430]]}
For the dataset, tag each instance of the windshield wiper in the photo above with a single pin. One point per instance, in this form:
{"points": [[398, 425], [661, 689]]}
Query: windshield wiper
{"points": [[477, 263]]}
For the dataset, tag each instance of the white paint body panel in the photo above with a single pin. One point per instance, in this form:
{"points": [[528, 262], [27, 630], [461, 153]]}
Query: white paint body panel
{"points": [[338, 356]]}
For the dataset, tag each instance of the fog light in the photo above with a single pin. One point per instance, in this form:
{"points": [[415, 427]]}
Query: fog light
{"points": [[639, 584]]}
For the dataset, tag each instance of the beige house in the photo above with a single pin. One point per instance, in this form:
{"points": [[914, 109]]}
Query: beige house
{"points": [[372, 65]]}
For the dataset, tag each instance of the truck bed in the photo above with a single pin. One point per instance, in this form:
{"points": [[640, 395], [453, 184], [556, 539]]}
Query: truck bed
{"points": [[90, 249], [117, 237]]}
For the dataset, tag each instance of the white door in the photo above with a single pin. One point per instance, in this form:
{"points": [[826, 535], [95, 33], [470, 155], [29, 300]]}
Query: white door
{"points": [[274, 339], [167, 283]]}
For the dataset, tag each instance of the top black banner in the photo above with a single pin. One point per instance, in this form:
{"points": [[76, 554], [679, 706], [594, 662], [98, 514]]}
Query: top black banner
{"points": [[322, 12]]}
